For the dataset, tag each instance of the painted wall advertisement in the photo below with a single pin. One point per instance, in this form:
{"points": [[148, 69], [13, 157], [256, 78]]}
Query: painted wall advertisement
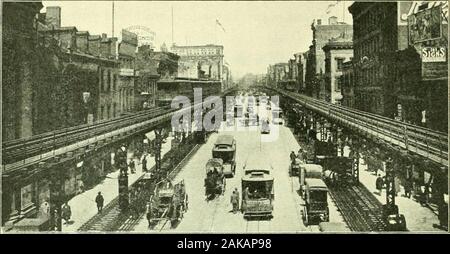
{"points": [[425, 25]]}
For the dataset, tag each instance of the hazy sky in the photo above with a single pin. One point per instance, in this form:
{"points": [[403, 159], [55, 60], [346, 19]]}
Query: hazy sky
{"points": [[256, 33]]}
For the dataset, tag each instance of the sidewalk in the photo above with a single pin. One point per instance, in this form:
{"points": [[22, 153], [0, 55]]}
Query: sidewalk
{"points": [[418, 218], [83, 205]]}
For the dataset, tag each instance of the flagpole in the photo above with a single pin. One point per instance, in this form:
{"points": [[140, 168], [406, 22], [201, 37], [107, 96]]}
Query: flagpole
{"points": [[112, 19], [215, 32], [172, 25]]}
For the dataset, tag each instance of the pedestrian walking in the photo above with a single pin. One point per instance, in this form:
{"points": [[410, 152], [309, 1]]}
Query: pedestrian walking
{"points": [[292, 156], [237, 197], [144, 163], [301, 154], [397, 185], [45, 209], [379, 184], [66, 213], [132, 166], [80, 186], [99, 200], [148, 214], [408, 188], [235, 200]]}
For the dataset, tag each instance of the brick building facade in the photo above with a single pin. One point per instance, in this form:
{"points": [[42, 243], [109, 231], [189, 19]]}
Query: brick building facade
{"points": [[316, 57], [200, 61], [18, 58], [420, 73], [380, 29], [337, 51], [347, 83]]}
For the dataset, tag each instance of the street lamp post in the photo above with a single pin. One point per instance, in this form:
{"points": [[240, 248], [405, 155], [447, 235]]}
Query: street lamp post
{"points": [[86, 100]]}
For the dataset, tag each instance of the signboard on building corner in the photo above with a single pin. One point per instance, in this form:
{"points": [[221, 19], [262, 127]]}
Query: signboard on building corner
{"points": [[434, 54]]}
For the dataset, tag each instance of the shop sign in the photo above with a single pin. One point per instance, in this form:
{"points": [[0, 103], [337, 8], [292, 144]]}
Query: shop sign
{"points": [[434, 54]]}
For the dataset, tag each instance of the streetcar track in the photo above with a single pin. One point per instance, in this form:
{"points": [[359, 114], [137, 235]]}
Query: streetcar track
{"points": [[124, 222], [215, 207], [294, 192]]}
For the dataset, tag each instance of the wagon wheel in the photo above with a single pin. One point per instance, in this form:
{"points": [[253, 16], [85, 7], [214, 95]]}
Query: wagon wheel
{"points": [[305, 217], [180, 212], [186, 203], [224, 184], [151, 210]]}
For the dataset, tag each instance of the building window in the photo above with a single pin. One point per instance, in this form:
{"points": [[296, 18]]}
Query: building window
{"points": [[338, 84], [102, 115], [102, 79], [115, 82], [114, 109], [26, 198], [109, 80], [327, 65], [339, 63], [108, 111]]}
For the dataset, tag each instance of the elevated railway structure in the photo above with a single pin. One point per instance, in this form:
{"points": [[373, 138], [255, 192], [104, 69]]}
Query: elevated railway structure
{"points": [[50, 160], [429, 144], [402, 150]]}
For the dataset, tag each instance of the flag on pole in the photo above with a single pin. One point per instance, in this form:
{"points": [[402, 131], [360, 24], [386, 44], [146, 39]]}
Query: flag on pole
{"points": [[218, 23], [330, 6]]}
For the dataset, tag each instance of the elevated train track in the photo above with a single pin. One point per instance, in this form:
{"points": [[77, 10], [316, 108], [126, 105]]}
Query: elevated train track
{"points": [[361, 211], [21, 149], [25, 152], [427, 143]]}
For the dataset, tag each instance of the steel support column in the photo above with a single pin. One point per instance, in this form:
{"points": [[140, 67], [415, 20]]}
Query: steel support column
{"points": [[56, 196], [390, 206], [121, 161], [158, 143]]}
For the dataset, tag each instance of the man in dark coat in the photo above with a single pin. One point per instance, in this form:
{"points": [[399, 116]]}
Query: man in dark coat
{"points": [[292, 156], [235, 200], [408, 188], [132, 166], [66, 212], [379, 184], [99, 200], [144, 163]]}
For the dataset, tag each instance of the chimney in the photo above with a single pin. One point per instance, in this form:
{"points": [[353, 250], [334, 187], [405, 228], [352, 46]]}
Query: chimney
{"points": [[332, 20], [319, 22], [103, 36], [53, 16]]}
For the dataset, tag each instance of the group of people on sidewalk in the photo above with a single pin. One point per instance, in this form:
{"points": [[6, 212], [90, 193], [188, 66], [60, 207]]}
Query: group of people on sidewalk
{"points": [[380, 183], [300, 155]]}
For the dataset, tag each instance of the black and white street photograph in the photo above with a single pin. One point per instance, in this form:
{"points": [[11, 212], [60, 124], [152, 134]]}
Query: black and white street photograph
{"points": [[227, 117]]}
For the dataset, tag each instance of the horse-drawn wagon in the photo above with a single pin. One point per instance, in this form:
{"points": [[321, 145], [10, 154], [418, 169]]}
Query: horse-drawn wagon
{"points": [[169, 202]]}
